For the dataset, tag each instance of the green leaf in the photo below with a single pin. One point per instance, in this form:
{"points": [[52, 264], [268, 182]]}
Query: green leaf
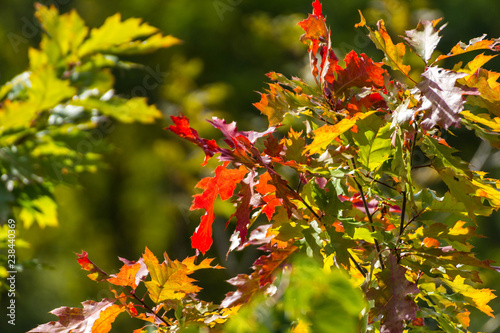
{"points": [[47, 90], [442, 156], [373, 140], [127, 111], [115, 34], [66, 31]]}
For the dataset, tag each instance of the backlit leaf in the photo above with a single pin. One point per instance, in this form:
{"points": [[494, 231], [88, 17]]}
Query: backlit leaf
{"points": [[424, 38], [324, 135], [222, 184], [441, 98], [477, 297]]}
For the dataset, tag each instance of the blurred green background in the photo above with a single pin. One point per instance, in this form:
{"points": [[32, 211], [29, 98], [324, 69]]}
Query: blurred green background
{"points": [[143, 196]]}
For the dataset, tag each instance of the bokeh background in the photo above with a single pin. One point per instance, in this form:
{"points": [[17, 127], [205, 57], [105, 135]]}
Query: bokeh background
{"points": [[142, 197]]}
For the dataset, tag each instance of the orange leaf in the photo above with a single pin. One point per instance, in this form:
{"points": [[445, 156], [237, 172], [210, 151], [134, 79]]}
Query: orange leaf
{"points": [[430, 242], [130, 274], [107, 317]]}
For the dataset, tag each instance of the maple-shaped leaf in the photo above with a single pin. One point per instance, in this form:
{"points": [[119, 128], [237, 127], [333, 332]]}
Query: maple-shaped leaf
{"points": [[442, 98], [424, 38], [324, 135], [222, 184], [131, 274], [391, 298], [359, 72], [96, 273], [182, 129], [394, 53], [80, 320], [170, 280]]}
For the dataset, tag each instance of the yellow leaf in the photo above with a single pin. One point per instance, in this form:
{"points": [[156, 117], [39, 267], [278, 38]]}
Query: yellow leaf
{"points": [[324, 135], [483, 119], [477, 297], [42, 210], [170, 280], [106, 318], [458, 229], [489, 192], [301, 327]]}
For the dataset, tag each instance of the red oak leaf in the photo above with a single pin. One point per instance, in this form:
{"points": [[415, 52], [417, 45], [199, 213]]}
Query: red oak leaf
{"points": [[391, 299], [317, 9], [244, 207], [96, 273], [182, 129], [268, 265], [222, 184], [359, 72]]}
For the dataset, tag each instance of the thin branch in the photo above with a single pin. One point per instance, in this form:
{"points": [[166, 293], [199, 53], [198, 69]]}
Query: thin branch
{"points": [[360, 269], [367, 211], [403, 209], [380, 182], [146, 306]]}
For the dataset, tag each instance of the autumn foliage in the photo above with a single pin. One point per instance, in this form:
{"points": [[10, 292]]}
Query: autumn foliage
{"points": [[351, 241]]}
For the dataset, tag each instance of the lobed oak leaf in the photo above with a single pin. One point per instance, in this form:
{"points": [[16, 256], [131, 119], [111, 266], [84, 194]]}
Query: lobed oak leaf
{"points": [[478, 43], [441, 98], [394, 53], [326, 134], [81, 320], [267, 265], [359, 72], [244, 206], [247, 286], [106, 319], [424, 38], [96, 273], [182, 129], [476, 297], [131, 274], [391, 298], [315, 32], [170, 280], [222, 184]]}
